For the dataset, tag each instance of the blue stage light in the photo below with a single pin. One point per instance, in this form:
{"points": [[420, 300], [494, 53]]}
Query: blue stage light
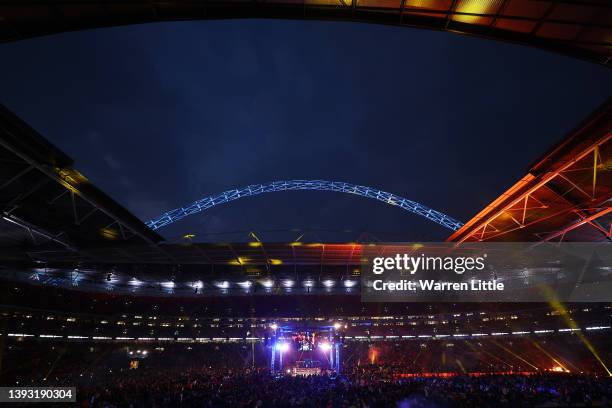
{"points": [[282, 347], [325, 346]]}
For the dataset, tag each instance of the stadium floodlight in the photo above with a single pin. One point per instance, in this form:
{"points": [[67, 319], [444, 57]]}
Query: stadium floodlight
{"points": [[267, 283], [245, 285], [596, 328], [349, 283], [168, 284], [329, 283], [222, 284], [309, 283], [274, 326], [337, 326]]}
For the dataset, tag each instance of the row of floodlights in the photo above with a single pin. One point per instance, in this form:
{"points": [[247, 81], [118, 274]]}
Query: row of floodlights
{"points": [[387, 337], [247, 284]]}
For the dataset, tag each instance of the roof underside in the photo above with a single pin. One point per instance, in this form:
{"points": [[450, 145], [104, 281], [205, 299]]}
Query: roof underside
{"points": [[578, 28], [565, 196], [52, 215], [310, 267], [48, 207]]}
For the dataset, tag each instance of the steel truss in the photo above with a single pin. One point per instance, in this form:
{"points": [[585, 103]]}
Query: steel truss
{"points": [[292, 185], [552, 201]]}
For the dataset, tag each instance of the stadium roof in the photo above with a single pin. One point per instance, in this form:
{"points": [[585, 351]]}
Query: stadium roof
{"points": [[58, 227], [565, 196], [52, 213], [578, 28], [49, 206], [218, 268]]}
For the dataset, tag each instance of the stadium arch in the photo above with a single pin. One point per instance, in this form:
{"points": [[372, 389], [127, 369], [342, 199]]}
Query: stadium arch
{"points": [[292, 185]]}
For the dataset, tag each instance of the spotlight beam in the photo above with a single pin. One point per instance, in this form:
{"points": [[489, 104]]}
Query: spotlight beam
{"points": [[559, 307]]}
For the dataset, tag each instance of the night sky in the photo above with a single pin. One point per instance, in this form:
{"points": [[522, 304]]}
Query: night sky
{"points": [[160, 115]]}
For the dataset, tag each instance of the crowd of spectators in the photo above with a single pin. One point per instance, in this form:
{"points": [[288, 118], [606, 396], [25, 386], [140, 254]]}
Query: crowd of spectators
{"points": [[229, 376], [258, 388]]}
